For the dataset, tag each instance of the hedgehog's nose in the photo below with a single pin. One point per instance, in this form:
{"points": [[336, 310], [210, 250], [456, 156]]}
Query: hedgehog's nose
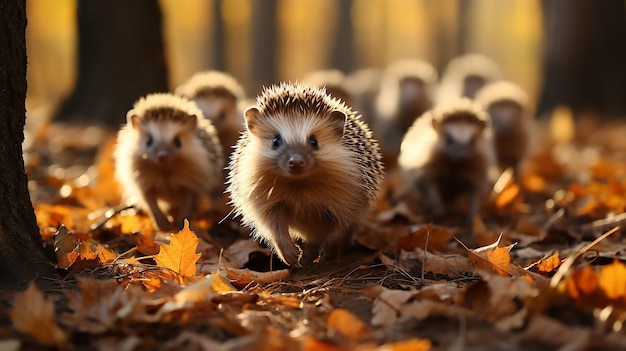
{"points": [[296, 163], [162, 156]]}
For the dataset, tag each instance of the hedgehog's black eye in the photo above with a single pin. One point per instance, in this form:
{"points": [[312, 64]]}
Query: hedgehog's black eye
{"points": [[177, 142], [313, 142], [150, 141], [277, 142], [449, 140]]}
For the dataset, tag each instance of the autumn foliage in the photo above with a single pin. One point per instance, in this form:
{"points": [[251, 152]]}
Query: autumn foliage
{"points": [[543, 267]]}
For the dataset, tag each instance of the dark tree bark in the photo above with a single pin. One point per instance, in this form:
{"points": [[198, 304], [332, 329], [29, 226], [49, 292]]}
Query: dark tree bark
{"points": [[584, 56], [264, 38], [219, 33], [21, 250], [343, 50], [121, 57]]}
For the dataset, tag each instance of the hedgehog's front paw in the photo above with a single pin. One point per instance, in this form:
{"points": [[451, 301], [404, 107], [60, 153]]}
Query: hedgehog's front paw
{"points": [[289, 252]]}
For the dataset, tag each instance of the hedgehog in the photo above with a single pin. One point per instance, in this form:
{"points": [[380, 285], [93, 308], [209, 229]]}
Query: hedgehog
{"points": [[166, 156], [508, 108], [218, 95], [306, 168], [448, 153], [404, 95], [464, 76], [334, 81]]}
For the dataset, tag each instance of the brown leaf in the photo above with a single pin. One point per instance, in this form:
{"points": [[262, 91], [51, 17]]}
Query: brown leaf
{"points": [[348, 325], [34, 315], [387, 303], [239, 252], [450, 265], [65, 247], [180, 254], [492, 258]]}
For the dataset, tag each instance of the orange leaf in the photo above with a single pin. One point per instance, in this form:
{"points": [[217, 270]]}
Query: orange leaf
{"points": [[438, 237], [547, 265], [612, 279], [581, 283], [65, 247], [349, 325], [180, 254], [33, 314], [415, 344], [492, 258]]}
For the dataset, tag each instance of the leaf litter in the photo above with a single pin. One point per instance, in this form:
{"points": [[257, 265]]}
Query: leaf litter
{"points": [[545, 268]]}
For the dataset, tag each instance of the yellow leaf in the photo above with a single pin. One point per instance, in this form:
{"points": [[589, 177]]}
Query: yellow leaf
{"points": [[32, 314], [492, 258], [180, 254], [612, 279], [349, 325], [199, 290]]}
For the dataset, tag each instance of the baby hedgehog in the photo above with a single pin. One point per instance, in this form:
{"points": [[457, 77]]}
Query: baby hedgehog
{"points": [[405, 94], [305, 168], [218, 95], [465, 76], [334, 81], [167, 154], [508, 107], [447, 153]]}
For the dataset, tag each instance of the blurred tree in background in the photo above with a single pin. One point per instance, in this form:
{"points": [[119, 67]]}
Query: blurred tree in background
{"points": [[264, 41], [120, 58]]}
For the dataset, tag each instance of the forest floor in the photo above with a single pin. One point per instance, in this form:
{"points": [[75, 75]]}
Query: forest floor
{"points": [[542, 267]]}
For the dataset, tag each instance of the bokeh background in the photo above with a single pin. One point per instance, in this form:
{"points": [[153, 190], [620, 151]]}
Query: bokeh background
{"points": [[264, 41]]}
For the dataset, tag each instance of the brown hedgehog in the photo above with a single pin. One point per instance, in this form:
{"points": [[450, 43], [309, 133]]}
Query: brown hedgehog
{"points": [[305, 168], [508, 107], [334, 81], [218, 95], [465, 76], [167, 154], [448, 153], [405, 94]]}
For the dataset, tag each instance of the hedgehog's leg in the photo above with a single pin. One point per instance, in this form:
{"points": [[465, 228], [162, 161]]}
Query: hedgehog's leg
{"points": [[285, 247], [188, 203], [159, 219], [434, 199], [336, 243]]}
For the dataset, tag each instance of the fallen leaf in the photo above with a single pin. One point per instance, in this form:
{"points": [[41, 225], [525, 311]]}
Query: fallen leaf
{"points": [[244, 277], [437, 238], [492, 258], [543, 330], [239, 252], [387, 304], [348, 325], [180, 254], [33, 314], [66, 247], [612, 279], [450, 265], [546, 265], [415, 344], [581, 283]]}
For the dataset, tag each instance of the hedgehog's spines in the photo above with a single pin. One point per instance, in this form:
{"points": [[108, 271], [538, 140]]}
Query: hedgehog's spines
{"points": [[211, 83]]}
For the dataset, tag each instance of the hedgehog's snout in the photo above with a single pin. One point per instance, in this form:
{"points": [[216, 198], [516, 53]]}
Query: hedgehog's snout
{"points": [[296, 163]]}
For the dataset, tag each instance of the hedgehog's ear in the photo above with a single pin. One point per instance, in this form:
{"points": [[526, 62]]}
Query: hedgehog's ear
{"points": [[191, 122], [338, 121], [252, 119], [133, 119], [435, 124]]}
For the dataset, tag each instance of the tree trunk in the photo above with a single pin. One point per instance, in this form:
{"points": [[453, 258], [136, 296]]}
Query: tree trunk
{"points": [[121, 57], [21, 250], [584, 56], [264, 38], [343, 50], [219, 33]]}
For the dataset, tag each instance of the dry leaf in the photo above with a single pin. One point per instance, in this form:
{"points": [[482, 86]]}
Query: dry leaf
{"points": [[546, 265], [437, 238], [415, 344], [492, 258], [33, 314], [612, 279], [244, 277], [239, 252], [450, 265], [387, 304], [348, 325], [180, 254]]}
